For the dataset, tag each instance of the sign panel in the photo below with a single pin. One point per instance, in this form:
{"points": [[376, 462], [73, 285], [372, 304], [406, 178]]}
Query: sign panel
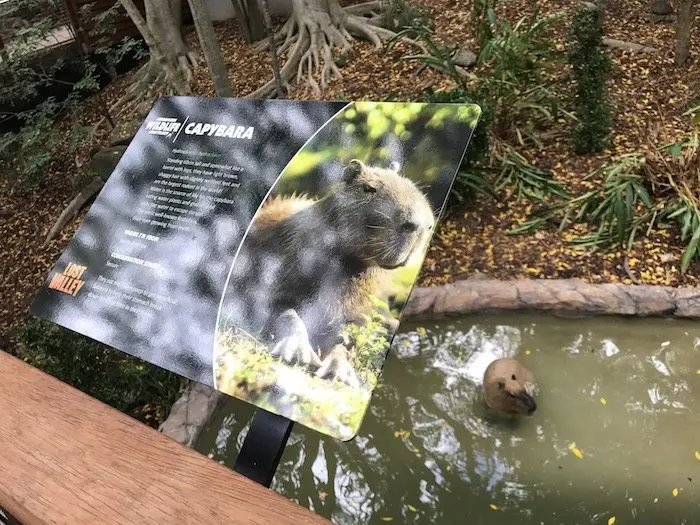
{"points": [[264, 247]]}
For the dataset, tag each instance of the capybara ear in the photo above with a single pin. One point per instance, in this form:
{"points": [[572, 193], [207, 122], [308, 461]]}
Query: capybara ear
{"points": [[353, 170]]}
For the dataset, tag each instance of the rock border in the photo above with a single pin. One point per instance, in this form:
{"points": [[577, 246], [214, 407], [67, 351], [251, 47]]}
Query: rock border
{"points": [[557, 296], [566, 297]]}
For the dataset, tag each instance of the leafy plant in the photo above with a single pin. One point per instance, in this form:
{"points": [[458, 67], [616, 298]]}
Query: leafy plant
{"points": [[591, 66], [370, 343], [519, 77], [126, 383], [473, 178], [515, 94], [400, 15], [639, 192], [26, 152], [439, 57], [485, 17], [674, 173], [523, 179]]}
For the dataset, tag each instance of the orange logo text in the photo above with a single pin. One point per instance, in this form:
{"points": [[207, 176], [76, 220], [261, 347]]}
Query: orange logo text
{"points": [[69, 281]]}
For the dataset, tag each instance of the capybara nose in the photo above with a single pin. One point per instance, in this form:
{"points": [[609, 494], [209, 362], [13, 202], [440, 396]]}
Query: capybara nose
{"points": [[409, 226], [529, 403]]}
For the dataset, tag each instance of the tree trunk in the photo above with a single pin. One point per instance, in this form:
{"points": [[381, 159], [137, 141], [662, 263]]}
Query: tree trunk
{"points": [[149, 32], [170, 66], [281, 86], [684, 30], [176, 10], [210, 48], [250, 20], [661, 7]]}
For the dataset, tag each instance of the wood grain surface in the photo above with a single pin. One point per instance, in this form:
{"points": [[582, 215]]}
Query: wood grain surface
{"points": [[66, 458]]}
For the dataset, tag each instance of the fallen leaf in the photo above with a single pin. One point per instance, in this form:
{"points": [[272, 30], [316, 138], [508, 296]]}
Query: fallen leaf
{"points": [[527, 352], [412, 508], [603, 401], [656, 500], [697, 455], [675, 492], [387, 518], [611, 520], [575, 450], [493, 506]]}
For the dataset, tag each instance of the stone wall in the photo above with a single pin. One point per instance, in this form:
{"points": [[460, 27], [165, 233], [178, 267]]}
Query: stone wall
{"points": [[557, 296]]}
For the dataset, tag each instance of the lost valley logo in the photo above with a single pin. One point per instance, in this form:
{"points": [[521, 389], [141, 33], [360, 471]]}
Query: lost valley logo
{"points": [[68, 282]]}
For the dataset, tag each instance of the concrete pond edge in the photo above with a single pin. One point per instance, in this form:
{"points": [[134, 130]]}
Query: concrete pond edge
{"points": [[566, 297]]}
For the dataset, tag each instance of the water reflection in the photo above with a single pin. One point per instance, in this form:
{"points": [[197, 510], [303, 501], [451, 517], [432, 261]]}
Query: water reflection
{"points": [[625, 392]]}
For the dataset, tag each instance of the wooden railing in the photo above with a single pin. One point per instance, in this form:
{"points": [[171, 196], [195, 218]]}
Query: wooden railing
{"points": [[66, 458]]}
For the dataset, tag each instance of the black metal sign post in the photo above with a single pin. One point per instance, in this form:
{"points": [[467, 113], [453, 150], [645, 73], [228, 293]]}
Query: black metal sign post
{"points": [[263, 447], [8, 519]]}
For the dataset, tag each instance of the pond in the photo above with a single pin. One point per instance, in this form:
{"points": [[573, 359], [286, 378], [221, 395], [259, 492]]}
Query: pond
{"points": [[625, 393]]}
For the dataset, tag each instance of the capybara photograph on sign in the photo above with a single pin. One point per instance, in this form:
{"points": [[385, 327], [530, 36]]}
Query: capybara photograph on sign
{"points": [[316, 289]]}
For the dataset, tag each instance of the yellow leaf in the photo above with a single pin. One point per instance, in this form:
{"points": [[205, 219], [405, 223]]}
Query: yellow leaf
{"points": [[387, 518], [448, 468], [412, 508], [675, 492], [493, 507], [611, 520], [697, 455], [603, 401], [698, 371], [574, 449], [527, 352], [656, 500]]}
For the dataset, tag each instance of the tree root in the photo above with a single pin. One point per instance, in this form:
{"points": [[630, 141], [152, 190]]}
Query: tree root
{"points": [[311, 38], [71, 211]]}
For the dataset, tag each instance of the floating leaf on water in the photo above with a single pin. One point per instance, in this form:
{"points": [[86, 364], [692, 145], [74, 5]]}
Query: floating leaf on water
{"points": [[575, 450], [611, 520], [387, 518], [698, 371], [675, 492], [412, 508], [421, 331], [448, 468], [656, 500], [603, 401], [493, 506], [697, 455], [527, 352]]}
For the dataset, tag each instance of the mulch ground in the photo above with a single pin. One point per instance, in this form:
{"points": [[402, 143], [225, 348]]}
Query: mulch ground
{"points": [[650, 93]]}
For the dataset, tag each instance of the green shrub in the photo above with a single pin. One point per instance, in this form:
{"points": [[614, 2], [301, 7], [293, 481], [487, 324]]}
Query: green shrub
{"points": [[139, 389], [472, 178], [591, 66], [400, 15], [26, 154], [520, 72]]}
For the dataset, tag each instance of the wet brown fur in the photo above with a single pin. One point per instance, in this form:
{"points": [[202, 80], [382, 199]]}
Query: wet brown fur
{"points": [[505, 382]]}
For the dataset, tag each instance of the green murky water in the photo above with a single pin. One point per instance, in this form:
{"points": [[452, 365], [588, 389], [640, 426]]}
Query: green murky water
{"points": [[626, 392]]}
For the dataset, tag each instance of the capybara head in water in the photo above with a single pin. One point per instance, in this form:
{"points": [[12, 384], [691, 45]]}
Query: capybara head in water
{"points": [[509, 388], [380, 215]]}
